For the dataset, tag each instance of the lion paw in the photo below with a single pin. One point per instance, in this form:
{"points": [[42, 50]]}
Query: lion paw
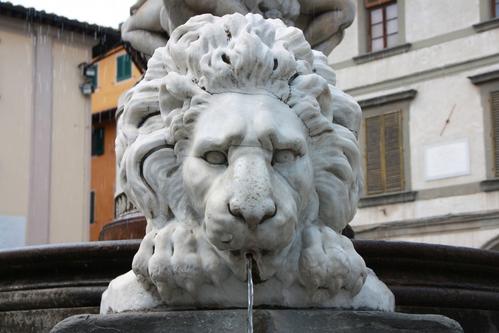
{"points": [[328, 262], [178, 262]]}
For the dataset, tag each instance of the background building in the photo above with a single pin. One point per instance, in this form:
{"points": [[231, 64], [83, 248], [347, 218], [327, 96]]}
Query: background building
{"points": [[116, 73], [45, 126], [426, 74]]}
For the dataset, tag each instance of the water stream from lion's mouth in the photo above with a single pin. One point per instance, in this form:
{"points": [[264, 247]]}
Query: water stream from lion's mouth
{"points": [[250, 292]]}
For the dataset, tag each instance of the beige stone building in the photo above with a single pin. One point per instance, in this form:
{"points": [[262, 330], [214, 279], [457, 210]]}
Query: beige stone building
{"points": [[45, 126], [426, 74]]}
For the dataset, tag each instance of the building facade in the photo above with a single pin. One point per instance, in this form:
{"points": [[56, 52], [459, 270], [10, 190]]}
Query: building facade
{"points": [[116, 73], [426, 74], [45, 126]]}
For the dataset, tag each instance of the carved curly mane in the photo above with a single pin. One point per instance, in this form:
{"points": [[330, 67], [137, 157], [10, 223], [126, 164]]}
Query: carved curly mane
{"points": [[210, 55]]}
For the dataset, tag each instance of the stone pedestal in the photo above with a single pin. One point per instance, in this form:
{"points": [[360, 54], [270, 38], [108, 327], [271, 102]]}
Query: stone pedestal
{"points": [[265, 321]]}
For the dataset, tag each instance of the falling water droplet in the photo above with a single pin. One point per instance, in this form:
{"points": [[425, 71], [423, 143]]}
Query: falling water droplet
{"points": [[250, 293]]}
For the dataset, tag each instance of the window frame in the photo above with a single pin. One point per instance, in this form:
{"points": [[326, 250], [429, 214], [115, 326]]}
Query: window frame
{"points": [[94, 151], [488, 11], [486, 90], [95, 79], [494, 126], [372, 111], [487, 83], [123, 78], [362, 36], [384, 23]]}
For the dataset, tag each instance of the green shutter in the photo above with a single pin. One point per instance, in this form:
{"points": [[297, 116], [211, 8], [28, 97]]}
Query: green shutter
{"points": [[95, 77], [97, 141], [92, 207], [124, 67]]}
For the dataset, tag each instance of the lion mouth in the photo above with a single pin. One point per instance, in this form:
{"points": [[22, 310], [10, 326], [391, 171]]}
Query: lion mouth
{"points": [[255, 272], [255, 267]]}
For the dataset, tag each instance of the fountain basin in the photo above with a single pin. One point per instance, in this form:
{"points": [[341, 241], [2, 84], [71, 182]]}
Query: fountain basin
{"points": [[40, 286], [265, 321]]}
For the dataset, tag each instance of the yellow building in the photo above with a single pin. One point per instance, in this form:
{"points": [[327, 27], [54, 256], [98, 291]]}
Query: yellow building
{"points": [[45, 125], [115, 74]]}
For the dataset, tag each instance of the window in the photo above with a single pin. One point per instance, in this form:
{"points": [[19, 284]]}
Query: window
{"points": [[123, 68], [384, 143], [383, 25], [95, 71], [488, 84], [494, 107], [97, 141], [384, 153], [495, 8], [92, 207]]}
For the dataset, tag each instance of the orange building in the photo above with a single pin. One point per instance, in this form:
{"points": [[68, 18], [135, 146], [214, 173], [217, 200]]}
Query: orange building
{"points": [[115, 74]]}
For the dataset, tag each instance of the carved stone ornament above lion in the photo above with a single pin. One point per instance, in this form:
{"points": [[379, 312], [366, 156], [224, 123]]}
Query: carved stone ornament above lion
{"points": [[237, 141], [153, 21]]}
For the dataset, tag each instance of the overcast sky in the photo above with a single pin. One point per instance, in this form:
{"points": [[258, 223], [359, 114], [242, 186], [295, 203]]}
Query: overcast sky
{"points": [[109, 13]]}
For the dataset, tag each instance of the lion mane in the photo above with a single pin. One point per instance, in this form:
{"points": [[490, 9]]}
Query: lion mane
{"points": [[235, 53]]}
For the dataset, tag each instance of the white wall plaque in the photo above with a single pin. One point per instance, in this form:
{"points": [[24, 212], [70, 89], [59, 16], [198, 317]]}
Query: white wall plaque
{"points": [[12, 231], [447, 160]]}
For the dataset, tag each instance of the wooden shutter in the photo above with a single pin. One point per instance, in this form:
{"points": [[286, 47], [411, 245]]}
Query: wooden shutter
{"points": [[394, 180], [384, 154], [373, 3], [494, 100], [374, 179]]}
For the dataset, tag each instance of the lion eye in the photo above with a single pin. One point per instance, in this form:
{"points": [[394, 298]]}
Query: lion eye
{"points": [[284, 156], [215, 157]]}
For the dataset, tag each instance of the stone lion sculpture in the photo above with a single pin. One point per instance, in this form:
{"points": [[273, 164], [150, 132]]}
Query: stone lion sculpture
{"points": [[237, 143]]}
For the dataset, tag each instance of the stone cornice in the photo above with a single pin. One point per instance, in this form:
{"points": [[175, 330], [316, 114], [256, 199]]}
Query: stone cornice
{"points": [[428, 225], [387, 99], [486, 25], [387, 199], [388, 52], [484, 77]]}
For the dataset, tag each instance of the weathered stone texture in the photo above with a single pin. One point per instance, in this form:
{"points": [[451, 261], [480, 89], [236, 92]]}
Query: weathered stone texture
{"points": [[265, 321]]}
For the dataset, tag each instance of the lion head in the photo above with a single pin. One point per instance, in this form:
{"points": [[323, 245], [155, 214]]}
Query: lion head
{"points": [[237, 143]]}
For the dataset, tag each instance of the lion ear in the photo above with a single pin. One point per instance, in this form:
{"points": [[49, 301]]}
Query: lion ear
{"points": [[163, 175], [346, 111], [337, 176], [132, 175]]}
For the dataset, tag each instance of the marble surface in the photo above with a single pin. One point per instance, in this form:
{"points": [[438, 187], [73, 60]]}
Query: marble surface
{"points": [[266, 321], [323, 21], [237, 143]]}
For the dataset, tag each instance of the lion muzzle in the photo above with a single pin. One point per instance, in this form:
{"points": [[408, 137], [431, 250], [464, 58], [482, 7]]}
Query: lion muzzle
{"points": [[252, 199]]}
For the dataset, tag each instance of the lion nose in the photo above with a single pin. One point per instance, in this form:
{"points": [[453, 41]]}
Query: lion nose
{"points": [[252, 199], [253, 215]]}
